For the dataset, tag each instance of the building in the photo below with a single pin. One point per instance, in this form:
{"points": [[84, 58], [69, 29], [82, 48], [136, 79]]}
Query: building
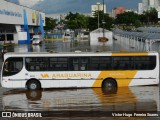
{"points": [[118, 10], [145, 4], [140, 8], [98, 33], [18, 23], [62, 16], [57, 17], [148, 4], [98, 7]]}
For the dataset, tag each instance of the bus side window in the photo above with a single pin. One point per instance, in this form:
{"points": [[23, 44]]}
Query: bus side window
{"points": [[84, 63], [145, 63], [123, 63], [75, 66], [79, 64], [83, 67]]}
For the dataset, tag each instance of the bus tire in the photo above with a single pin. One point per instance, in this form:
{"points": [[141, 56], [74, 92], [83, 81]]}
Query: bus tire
{"points": [[33, 85], [109, 85]]}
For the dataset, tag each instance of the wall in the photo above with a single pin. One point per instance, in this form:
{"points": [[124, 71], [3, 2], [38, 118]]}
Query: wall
{"points": [[94, 38], [11, 13]]}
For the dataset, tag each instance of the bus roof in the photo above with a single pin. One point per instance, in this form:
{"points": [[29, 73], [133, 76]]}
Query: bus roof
{"points": [[65, 54]]}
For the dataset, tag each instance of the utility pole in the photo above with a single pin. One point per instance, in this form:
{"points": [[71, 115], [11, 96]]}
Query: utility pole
{"points": [[98, 13]]}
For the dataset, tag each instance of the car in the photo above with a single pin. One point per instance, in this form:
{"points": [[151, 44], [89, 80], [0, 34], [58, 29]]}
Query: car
{"points": [[37, 39]]}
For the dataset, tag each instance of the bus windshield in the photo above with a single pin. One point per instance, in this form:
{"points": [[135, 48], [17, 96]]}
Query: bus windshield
{"points": [[12, 66]]}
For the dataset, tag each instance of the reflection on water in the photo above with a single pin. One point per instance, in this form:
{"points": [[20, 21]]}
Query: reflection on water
{"points": [[67, 46], [121, 99], [74, 45]]}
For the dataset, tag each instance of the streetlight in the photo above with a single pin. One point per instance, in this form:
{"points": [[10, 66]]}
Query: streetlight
{"points": [[98, 13], [103, 19]]}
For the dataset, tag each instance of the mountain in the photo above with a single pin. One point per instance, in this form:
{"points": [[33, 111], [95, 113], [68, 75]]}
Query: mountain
{"points": [[82, 6]]}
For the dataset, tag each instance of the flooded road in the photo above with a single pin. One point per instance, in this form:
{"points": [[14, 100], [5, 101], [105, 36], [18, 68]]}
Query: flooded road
{"points": [[123, 99], [68, 46], [97, 103]]}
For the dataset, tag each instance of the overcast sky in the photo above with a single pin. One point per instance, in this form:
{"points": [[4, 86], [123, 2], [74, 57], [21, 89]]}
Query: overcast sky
{"points": [[29, 2], [82, 6]]}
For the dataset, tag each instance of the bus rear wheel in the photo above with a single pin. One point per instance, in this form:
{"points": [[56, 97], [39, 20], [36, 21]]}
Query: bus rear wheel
{"points": [[109, 85], [33, 85]]}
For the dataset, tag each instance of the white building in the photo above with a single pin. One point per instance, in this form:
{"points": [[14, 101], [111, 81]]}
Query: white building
{"points": [[94, 35], [148, 4], [57, 17], [140, 8], [98, 7], [62, 16], [17, 22]]}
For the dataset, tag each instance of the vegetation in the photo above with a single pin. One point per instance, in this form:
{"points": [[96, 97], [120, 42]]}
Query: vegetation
{"points": [[79, 21], [149, 17], [75, 21], [135, 20], [104, 21], [127, 18], [50, 24]]}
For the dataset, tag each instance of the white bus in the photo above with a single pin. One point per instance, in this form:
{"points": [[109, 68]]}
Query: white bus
{"points": [[78, 69]]}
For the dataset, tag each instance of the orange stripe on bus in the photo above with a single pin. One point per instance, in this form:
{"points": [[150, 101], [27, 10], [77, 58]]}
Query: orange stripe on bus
{"points": [[123, 78], [130, 54]]}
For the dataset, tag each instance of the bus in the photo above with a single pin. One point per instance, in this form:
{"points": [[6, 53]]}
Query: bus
{"points": [[79, 69]]}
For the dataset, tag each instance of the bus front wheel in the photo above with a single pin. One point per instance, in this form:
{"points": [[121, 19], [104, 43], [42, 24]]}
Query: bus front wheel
{"points": [[109, 84], [33, 85]]}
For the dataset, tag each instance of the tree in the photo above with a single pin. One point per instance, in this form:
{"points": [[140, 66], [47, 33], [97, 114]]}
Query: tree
{"points": [[79, 21], [149, 16], [92, 23], [76, 21], [127, 18], [137, 23], [50, 24], [104, 21]]}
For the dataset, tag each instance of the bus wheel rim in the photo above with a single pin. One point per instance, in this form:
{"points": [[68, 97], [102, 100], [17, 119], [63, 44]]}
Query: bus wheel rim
{"points": [[33, 86], [109, 85]]}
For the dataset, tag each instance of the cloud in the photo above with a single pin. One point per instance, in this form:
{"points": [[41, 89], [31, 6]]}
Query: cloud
{"points": [[14, 1], [29, 3], [84, 6]]}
